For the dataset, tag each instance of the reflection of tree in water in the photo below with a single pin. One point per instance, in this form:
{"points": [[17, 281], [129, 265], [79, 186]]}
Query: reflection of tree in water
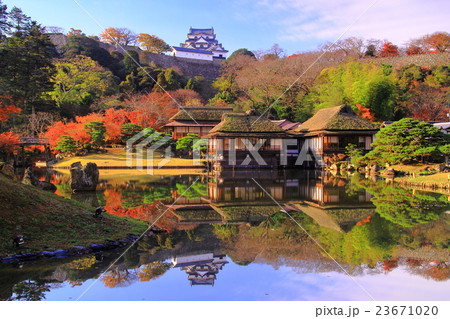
{"points": [[160, 193], [153, 270], [403, 206], [438, 271], [119, 276], [30, 290], [195, 191]]}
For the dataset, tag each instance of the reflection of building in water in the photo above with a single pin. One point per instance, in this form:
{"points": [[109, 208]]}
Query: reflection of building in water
{"points": [[201, 269], [238, 186], [326, 189]]}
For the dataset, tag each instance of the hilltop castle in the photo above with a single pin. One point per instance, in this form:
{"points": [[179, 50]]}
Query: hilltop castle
{"points": [[201, 44]]}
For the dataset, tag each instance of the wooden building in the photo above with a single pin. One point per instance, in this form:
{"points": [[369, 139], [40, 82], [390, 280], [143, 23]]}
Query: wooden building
{"points": [[196, 120], [229, 142], [331, 130]]}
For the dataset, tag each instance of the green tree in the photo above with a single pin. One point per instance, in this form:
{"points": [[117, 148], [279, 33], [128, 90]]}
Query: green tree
{"points": [[354, 153], [81, 80], [161, 83], [26, 67], [172, 80], [190, 85], [4, 25], [406, 141], [186, 145], [371, 50], [445, 149], [131, 61], [97, 131], [129, 130], [66, 144], [140, 81], [242, 51], [83, 45]]}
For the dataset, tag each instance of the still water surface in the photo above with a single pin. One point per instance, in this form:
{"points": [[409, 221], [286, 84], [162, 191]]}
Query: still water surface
{"points": [[227, 239]]}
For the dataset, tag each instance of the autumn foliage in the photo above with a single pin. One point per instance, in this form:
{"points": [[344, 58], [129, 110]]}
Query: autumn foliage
{"points": [[152, 110], [6, 110], [365, 113], [9, 142], [388, 50]]}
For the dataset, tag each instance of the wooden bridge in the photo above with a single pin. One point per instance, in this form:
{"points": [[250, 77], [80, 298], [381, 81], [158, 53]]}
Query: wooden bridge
{"points": [[23, 160], [24, 141]]}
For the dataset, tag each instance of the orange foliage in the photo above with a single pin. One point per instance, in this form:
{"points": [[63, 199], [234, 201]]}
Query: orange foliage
{"points": [[117, 36], [112, 119], [364, 221], [147, 212], [365, 113], [9, 142], [73, 129], [440, 41], [388, 50], [115, 277], [6, 110], [438, 271], [151, 110], [389, 265]]}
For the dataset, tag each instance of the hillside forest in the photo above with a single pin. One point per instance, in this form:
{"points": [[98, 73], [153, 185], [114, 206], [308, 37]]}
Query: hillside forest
{"points": [[97, 90]]}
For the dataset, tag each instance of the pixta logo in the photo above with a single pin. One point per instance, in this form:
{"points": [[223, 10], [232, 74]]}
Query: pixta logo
{"points": [[141, 146]]}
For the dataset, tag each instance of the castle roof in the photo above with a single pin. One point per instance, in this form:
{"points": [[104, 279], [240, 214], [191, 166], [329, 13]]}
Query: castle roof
{"points": [[209, 31]]}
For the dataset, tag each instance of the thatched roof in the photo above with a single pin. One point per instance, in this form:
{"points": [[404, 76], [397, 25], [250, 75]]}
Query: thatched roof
{"points": [[201, 113], [338, 118], [190, 123], [245, 123]]}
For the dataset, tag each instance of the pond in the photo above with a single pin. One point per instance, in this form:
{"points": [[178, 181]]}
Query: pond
{"points": [[253, 235]]}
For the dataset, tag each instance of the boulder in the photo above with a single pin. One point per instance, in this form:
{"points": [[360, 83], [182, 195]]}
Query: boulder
{"points": [[8, 170], [83, 178], [390, 172], [374, 170], [30, 179], [439, 167]]}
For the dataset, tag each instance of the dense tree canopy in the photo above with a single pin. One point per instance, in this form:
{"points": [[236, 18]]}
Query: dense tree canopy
{"points": [[80, 80], [407, 141], [152, 43]]}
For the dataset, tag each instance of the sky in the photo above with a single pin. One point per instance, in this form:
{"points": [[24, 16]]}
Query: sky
{"points": [[295, 25]]}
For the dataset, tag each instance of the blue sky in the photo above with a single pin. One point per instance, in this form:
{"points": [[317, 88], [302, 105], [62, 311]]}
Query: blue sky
{"points": [[296, 25]]}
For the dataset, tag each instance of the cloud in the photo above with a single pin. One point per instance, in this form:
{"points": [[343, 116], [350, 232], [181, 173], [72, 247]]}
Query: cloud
{"points": [[398, 21]]}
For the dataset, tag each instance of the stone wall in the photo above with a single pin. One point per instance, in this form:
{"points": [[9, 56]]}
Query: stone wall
{"points": [[188, 67]]}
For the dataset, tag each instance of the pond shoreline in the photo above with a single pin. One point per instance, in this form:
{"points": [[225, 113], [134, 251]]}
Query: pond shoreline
{"points": [[75, 251], [128, 167]]}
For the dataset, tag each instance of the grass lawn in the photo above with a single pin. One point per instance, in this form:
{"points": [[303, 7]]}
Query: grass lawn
{"points": [[412, 168], [50, 222], [116, 157], [433, 181], [436, 178]]}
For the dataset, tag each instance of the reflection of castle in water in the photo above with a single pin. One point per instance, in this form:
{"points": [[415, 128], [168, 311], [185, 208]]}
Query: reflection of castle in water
{"points": [[201, 269]]}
